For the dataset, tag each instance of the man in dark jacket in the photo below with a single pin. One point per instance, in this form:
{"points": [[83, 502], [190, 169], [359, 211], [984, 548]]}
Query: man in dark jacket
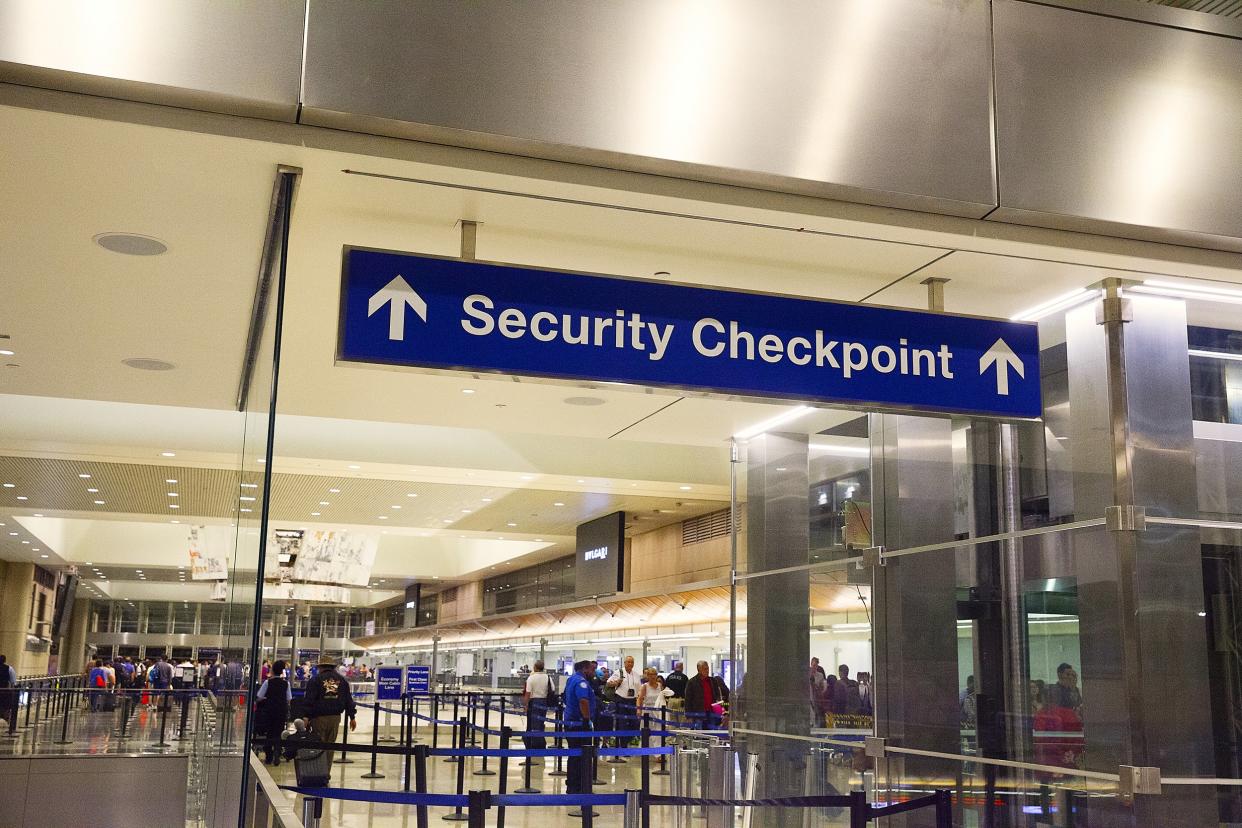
{"points": [[327, 696], [703, 691], [677, 681]]}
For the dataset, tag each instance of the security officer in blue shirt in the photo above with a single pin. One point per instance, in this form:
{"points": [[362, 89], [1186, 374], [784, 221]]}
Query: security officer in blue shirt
{"points": [[580, 706]]}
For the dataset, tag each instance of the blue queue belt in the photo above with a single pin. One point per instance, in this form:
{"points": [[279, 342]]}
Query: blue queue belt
{"points": [[780, 802]]}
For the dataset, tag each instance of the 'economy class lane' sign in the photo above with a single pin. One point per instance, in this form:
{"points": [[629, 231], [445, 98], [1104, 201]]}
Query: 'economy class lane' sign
{"points": [[406, 309]]}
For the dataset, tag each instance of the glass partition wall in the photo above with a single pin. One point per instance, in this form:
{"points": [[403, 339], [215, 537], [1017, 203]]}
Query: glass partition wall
{"points": [[1017, 611]]}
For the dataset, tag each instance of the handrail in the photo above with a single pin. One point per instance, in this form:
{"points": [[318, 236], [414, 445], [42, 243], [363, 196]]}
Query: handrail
{"points": [[277, 804]]}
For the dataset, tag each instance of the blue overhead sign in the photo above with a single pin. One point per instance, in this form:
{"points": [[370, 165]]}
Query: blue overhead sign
{"points": [[405, 309], [388, 683], [417, 679]]}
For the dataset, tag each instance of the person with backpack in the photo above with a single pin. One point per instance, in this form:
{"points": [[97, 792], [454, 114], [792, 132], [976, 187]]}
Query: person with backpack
{"points": [[273, 700], [327, 697], [539, 697], [97, 684]]}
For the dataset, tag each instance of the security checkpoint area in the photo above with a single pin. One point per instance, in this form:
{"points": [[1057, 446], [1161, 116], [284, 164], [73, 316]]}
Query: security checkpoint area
{"points": [[527, 414]]}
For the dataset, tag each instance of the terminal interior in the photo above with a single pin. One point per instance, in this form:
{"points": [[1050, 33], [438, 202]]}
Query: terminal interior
{"points": [[144, 368]]}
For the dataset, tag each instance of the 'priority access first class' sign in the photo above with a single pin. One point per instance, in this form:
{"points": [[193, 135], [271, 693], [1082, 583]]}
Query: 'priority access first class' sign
{"points": [[424, 311]]}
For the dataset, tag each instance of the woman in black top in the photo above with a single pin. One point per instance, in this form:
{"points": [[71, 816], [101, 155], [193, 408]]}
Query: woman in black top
{"points": [[274, 697]]}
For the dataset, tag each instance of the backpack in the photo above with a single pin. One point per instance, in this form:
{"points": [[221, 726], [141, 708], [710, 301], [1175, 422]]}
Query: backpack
{"points": [[4, 675]]}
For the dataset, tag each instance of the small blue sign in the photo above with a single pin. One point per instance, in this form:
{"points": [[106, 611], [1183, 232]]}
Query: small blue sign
{"points": [[417, 678], [406, 309], [388, 683]]}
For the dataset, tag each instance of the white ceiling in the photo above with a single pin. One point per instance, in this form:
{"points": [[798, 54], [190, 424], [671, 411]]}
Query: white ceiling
{"points": [[73, 312]]}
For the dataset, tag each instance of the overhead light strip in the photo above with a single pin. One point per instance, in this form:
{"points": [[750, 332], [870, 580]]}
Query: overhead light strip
{"points": [[1199, 352], [772, 422], [1063, 302]]}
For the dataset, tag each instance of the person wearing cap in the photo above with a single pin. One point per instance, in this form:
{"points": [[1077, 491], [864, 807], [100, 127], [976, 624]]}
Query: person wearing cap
{"points": [[580, 706], [327, 696]]}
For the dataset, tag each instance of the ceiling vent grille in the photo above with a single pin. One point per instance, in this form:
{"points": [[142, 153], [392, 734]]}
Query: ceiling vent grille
{"points": [[705, 528], [1224, 8]]}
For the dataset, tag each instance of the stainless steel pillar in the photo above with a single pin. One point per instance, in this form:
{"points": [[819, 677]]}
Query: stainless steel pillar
{"points": [[915, 600], [775, 695], [1140, 591]]}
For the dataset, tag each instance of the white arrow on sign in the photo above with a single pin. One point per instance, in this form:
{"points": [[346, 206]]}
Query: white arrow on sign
{"points": [[397, 294], [1003, 357]]}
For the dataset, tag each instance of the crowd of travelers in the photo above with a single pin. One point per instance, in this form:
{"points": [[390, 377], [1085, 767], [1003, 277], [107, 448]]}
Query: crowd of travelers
{"points": [[838, 700]]}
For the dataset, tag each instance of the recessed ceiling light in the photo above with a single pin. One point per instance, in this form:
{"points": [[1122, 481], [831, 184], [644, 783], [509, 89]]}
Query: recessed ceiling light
{"points": [[487, 500], [684, 488], [381, 517], [6, 352], [22, 497], [581, 481], [41, 556], [175, 506], [315, 514], [93, 491], [246, 499], [352, 466], [173, 480], [334, 491], [38, 514], [168, 454], [465, 511], [467, 390], [174, 521], [511, 524], [538, 540], [148, 364], [244, 485], [131, 244], [243, 510], [173, 494], [26, 542], [9, 485], [448, 520], [88, 563], [412, 494], [394, 506], [84, 476], [324, 503], [588, 401], [99, 503], [260, 460], [14, 534]]}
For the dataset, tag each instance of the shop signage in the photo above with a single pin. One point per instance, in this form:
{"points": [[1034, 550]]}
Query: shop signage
{"points": [[406, 309], [417, 678], [388, 683]]}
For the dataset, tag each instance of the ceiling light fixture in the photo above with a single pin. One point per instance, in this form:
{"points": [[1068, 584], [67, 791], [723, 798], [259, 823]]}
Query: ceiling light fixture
{"points": [[467, 390], [22, 497], [353, 466], [684, 488], [324, 503], [1060, 303], [511, 524], [168, 454], [173, 481], [334, 491], [9, 485], [175, 506], [130, 244], [394, 506], [558, 503], [173, 494], [84, 476], [315, 514], [381, 517], [93, 491], [99, 503], [38, 514], [841, 449], [773, 422], [6, 352]]}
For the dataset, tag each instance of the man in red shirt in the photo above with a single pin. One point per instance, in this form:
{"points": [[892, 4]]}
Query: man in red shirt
{"points": [[705, 696]]}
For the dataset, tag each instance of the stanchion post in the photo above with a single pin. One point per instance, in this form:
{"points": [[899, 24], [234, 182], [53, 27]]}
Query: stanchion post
{"points": [[312, 810], [64, 729], [453, 737], [373, 773], [457, 815], [506, 733], [435, 721], [185, 712], [478, 802], [487, 721], [408, 742], [558, 727], [634, 804], [645, 778], [589, 756], [858, 809], [944, 809], [663, 769], [420, 782], [615, 760]]}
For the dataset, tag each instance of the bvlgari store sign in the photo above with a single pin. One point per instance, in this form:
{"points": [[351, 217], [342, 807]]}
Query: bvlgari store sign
{"points": [[601, 546]]}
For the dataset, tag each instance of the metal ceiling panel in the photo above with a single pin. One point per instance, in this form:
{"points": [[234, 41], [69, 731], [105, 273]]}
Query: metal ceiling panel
{"points": [[240, 58], [880, 101], [1118, 126]]}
